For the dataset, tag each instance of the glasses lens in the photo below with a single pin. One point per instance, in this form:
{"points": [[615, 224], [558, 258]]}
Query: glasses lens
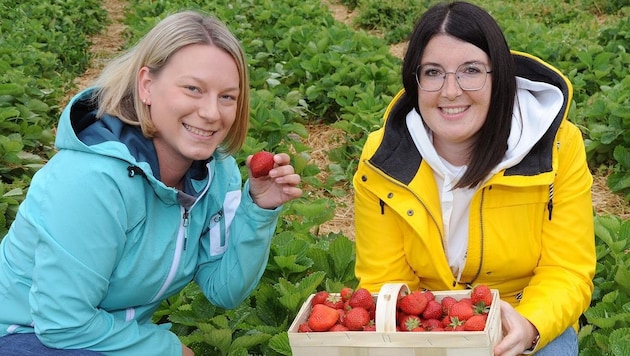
{"points": [[430, 77], [471, 76]]}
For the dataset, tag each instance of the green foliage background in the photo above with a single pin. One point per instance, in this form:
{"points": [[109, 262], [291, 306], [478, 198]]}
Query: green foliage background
{"points": [[306, 67]]}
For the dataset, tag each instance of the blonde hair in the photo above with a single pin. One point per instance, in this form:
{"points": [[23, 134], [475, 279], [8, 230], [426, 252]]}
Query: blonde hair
{"points": [[117, 86]]}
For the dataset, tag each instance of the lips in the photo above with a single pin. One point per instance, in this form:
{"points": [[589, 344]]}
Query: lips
{"points": [[198, 131]]}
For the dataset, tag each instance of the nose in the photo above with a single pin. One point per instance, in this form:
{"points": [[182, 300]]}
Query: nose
{"points": [[209, 109], [451, 88]]}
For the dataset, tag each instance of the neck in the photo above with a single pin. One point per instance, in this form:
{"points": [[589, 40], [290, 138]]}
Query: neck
{"points": [[454, 153]]}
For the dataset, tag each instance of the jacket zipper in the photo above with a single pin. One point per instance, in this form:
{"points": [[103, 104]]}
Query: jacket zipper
{"points": [[180, 247], [481, 238], [185, 223]]}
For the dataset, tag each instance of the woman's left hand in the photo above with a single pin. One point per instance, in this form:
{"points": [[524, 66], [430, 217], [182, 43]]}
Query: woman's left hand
{"points": [[518, 332], [280, 186]]}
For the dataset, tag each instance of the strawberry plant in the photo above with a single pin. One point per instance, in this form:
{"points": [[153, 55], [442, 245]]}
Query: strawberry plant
{"points": [[43, 47], [607, 321]]}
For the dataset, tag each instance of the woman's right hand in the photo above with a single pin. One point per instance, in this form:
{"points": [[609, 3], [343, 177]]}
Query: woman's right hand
{"points": [[186, 351]]}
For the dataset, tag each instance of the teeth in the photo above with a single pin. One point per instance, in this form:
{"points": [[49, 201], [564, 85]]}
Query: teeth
{"points": [[199, 132], [453, 111]]}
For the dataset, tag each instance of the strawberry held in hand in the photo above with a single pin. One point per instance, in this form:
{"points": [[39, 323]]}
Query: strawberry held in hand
{"points": [[261, 163]]}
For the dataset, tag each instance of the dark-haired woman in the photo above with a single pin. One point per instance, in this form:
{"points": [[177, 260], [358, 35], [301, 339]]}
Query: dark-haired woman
{"points": [[477, 177]]}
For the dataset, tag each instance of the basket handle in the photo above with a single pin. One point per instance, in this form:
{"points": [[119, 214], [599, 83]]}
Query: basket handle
{"points": [[386, 306]]}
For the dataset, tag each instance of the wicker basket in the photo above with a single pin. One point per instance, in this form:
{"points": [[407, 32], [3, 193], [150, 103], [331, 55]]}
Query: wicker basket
{"points": [[387, 341]]}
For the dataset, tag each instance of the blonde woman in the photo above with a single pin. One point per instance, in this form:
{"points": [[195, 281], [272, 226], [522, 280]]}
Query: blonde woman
{"points": [[142, 198]]}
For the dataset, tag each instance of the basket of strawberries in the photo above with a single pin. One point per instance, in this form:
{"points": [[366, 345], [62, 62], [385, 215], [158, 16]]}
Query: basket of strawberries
{"points": [[398, 321]]}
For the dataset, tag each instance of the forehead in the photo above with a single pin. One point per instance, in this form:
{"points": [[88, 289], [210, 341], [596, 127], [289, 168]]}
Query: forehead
{"points": [[449, 51]]}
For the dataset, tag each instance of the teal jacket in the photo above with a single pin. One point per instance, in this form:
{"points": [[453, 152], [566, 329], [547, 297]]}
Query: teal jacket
{"points": [[99, 242]]}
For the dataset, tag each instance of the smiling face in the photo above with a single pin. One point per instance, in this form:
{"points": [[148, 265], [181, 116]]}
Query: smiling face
{"points": [[454, 115], [193, 104]]}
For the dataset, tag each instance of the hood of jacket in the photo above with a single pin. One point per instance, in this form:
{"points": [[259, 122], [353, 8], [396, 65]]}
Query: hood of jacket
{"points": [[79, 129]]}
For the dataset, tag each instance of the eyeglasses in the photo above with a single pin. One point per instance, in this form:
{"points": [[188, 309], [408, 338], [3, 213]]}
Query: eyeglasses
{"points": [[470, 76]]}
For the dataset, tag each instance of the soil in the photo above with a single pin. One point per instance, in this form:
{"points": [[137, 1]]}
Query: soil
{"points": [[322, 137]]}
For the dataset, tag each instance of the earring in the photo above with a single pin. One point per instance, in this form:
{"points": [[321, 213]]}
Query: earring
{"points": [[144, 101]]}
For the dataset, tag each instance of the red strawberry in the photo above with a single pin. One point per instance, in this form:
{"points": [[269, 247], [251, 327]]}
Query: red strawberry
{"points": [[319, 298], [261, 163], [481, 293], [342, 315], [346, 293], [429, 295], [433, 310], [322, 317], [447, 302], [410, 322], [461, 310], [361, 298], [339, 327], [371, 326], [372, 312], [445, 321], [334, 301], [304, 328], [475, 323], [413, 303], [357, 318], [430, 324], [449, 323]]}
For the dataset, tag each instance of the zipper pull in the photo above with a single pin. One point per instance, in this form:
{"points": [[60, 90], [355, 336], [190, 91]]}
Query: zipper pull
{"points": [[185, 224]]}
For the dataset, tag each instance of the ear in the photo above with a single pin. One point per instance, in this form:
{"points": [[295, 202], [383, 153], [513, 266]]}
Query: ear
{"points": [[145, 79]]}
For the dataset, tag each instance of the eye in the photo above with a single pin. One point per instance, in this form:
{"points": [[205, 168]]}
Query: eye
{"points": [[432, 72], [193, 88], [472, 69]]}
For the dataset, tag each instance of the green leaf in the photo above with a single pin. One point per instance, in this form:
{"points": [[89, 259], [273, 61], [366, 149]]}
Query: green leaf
{"points": [[219, 338], [184, 316], [11, 89], [288, 265], [622, 277], [342, 252], [249, 340], [620, 342], [280, 344], [622, 155]]}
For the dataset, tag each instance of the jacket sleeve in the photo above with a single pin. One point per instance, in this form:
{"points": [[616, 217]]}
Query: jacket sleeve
{"points": [[560, 290], [79, 220], [228, 278], [379, 239]]}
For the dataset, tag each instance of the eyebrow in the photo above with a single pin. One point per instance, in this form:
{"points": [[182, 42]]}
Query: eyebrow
{"points": [[467, 62], [200, 81]]}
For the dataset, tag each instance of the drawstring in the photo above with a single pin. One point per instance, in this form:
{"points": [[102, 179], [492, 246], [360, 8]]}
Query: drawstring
{"points": [[550, 203]]}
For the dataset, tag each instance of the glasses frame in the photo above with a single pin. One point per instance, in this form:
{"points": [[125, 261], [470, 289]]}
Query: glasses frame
{"points": [[485, 79]]}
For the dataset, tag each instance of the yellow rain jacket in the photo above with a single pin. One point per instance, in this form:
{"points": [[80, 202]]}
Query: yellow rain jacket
{"points": [[530, 232]]}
